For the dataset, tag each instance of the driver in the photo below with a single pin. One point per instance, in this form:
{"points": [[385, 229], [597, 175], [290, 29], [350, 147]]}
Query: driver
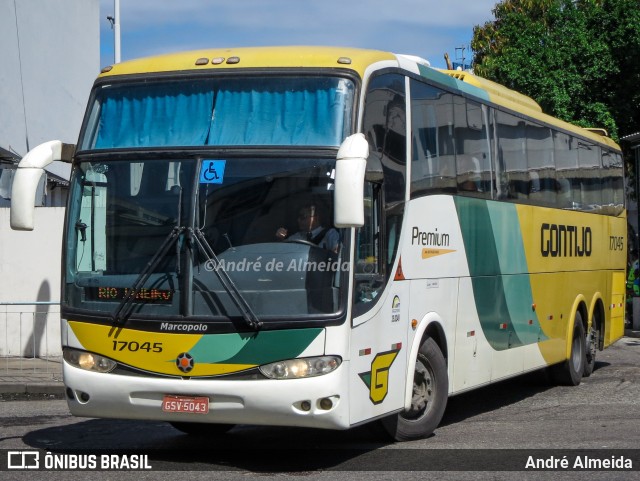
{"points": [[311, 229]]}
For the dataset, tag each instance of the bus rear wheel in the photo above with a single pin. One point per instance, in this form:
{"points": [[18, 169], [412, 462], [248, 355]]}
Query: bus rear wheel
{"points": [[429, 399], [570, 372], [202, 429], [593, 340]]}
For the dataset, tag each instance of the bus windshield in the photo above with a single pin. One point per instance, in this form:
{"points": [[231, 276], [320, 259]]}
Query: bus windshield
{"points": [[203, 217], [230, 111]]}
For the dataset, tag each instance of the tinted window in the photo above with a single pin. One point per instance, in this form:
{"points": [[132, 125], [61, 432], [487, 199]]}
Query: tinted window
{"points": [[473, 160], [433, 167]]}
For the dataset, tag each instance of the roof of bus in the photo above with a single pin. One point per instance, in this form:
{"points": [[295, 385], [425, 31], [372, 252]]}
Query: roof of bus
{"points": [[354, 59], [255, 57], [501, 95]]}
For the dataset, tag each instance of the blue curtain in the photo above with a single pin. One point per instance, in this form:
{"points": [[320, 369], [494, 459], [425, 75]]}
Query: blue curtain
{"points": [[279, 112], [155, 115], [276, 111]]}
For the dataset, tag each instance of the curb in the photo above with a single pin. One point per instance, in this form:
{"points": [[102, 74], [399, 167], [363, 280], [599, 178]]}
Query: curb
{"points": [[41, 388]]}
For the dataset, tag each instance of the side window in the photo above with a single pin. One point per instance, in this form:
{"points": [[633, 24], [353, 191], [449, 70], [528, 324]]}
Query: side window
{"points": [[566, 153], [369, 272], [473, 159], [614, 174], [608, 176], [91, 249], [541, 166], [384, 126], [512, 157], [589, 159], [433, 168]]}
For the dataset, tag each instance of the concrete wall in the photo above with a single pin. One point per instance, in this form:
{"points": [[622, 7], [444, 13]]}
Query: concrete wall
{"points": [[49, 58], [30, 272]]}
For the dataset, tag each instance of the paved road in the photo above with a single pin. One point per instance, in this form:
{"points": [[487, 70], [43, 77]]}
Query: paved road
{"points": [[526, 414]]}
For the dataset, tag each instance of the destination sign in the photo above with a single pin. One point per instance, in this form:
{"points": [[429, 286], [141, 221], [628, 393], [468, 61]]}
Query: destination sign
{"points": [[144, 295]]}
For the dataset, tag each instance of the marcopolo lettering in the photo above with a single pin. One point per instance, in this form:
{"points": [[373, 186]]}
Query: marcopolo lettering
{"points": [[558, 240], [171, 326]]}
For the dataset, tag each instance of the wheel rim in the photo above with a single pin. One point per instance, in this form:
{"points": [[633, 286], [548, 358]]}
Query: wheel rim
{"points": [[423, 391]]}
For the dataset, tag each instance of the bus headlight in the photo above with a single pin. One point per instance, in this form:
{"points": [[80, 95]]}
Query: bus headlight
{"points": [[299, 368], [88, 361]]}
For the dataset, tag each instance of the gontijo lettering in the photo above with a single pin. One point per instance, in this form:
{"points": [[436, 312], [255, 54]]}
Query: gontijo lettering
{"points": [[557, 240]]}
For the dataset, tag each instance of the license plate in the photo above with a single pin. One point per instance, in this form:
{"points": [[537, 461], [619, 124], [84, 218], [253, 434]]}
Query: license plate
{"points": [[185, 404]]}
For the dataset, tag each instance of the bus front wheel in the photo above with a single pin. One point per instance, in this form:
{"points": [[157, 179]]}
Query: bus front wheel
{"points": [[429, 398]]}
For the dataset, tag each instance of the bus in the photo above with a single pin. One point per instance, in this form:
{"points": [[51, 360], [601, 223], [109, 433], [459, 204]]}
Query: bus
{"points": [[477, 239]]}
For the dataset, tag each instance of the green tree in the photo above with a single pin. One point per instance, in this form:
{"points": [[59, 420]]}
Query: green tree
{"points": [[579, 59]]}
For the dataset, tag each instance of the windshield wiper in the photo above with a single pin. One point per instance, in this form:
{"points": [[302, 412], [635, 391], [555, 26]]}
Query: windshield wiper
{"points": [[123, 311], [241, 303]]}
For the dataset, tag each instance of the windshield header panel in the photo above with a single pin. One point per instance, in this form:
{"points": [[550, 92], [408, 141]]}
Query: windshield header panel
{"points": [[289, 109]]}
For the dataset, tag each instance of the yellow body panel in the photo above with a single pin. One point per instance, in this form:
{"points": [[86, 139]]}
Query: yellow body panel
{"points": [[255, 57], [114, 343], [561, 282]]}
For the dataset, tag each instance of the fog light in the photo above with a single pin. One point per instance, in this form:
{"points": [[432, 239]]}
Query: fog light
{"points": [[326, 403], [305, 406]]}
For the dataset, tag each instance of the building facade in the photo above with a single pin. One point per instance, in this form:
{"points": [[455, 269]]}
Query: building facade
{"points": [[49, 57]]}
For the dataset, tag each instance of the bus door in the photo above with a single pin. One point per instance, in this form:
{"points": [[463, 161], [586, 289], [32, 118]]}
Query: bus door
{"points": [[378, 356]]}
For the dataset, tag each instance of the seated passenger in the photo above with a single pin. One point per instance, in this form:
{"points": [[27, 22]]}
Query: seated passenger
{"points": [[311, 228]]}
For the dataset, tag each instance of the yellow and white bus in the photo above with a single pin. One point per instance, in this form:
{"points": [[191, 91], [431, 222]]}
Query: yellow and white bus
{"points": [[474, 239]]}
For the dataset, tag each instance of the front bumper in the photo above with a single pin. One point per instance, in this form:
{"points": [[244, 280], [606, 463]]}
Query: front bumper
{"points": [[261, 402]]}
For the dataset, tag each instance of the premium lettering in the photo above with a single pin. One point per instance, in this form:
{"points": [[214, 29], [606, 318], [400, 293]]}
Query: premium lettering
{"points": [[433, 239], [558, 240]]}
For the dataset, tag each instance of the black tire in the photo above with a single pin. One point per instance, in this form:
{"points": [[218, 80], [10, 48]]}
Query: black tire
{"points": [[592, 342], [570, 372], [202, 429], [430, 394]]}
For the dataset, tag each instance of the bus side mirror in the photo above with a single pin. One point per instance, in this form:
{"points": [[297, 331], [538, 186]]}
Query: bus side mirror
{"points": [[351, 163], [27, 177]]}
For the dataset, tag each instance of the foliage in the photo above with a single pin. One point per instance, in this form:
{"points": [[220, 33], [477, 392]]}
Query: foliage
{"points": [[579, 59]]}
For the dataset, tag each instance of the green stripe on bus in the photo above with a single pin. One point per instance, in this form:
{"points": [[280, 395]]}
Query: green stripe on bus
{"points": [[498, 269], [253, 348], [514, 269]]}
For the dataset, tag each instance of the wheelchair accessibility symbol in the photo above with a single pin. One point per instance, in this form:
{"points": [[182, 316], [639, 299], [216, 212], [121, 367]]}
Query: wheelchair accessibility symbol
{"points": [[212, 171]]}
